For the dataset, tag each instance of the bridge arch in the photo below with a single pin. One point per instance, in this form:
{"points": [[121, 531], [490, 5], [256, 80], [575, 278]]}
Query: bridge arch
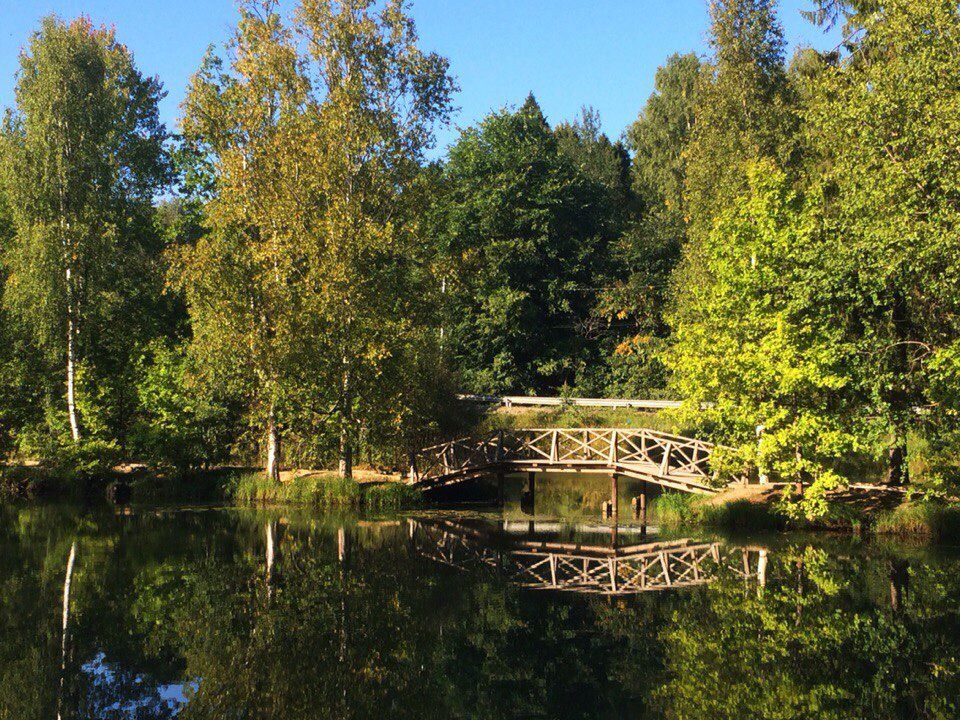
{"points": [[672, 461]]}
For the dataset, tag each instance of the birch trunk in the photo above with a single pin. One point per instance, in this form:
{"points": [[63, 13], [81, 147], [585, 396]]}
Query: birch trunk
{"points": [[71, 365], [66, 622], [345, 469], [273, 446]]}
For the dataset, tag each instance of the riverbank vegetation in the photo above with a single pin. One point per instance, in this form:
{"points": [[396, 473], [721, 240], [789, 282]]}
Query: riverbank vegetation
{"points": [[290, 281], [324, 490]]}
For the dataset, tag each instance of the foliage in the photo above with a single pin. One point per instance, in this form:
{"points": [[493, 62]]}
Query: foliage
{"points": [[744, 110], [179, 422], [651, 247], [759, 346], [82, 158], [526, 235], [884, 123], [305, 284], [86, 460]]}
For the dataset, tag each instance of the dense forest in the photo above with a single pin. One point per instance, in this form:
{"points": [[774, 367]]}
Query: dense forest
{"points": [[289, 278]]}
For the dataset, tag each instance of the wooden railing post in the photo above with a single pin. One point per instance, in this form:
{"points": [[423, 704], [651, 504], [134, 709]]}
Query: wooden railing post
{"points": [[665, 463], [554, 445], [614, 453]]}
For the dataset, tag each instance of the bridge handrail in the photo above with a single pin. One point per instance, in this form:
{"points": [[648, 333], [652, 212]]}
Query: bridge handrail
{"points": [[626, 430]]}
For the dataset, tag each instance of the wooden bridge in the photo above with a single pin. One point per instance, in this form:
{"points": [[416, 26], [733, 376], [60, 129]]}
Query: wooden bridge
{"points": [[583, 568], [672, 461]]}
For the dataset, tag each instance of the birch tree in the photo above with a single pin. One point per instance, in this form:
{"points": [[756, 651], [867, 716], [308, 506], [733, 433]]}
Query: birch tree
{"points": [[243, 279], [316, 133], [82, 158], [379, 98]]}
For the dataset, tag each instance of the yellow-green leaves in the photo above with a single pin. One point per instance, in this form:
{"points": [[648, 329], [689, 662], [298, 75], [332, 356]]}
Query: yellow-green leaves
{"points": [[316, 131]]}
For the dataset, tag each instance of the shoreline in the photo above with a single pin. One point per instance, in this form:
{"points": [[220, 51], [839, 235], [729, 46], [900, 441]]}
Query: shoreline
{"points": [[857, 510]]}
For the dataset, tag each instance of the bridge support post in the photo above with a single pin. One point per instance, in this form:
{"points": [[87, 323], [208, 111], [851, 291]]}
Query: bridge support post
{"points": [[614, 507], [529, 498], [500, 497], [640, 507]]}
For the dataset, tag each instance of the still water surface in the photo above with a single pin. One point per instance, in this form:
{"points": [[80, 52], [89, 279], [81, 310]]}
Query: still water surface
{"points": [[226, 613]]}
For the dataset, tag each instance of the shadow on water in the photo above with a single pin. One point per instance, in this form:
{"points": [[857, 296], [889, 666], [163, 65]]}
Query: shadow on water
{"points": [[221, 613]]}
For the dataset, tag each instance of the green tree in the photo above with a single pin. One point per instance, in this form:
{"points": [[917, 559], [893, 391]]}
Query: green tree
{"points": [[309, 281], [744, 109], [596, 157], [243, 280], [884, 123], [83, 157], [763, 347], [650, 249], [526, 235], [381, 100]]}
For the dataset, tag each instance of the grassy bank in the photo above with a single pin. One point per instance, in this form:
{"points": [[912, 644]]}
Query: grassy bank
{"points": [[235, 485], [321, 490], [933, 521], [676, 510], [571, 416]]}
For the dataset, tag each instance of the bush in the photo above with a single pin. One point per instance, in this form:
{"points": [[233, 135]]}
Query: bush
{"points": [[18, 481], [86, 460]]}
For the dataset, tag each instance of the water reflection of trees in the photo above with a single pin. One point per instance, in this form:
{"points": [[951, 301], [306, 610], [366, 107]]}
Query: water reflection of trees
{"points": [[355, 624], [829, 637]]}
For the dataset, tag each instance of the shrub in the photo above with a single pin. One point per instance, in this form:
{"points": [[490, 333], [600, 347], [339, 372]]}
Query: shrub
{"points": [[672, 509], [86, 460]]}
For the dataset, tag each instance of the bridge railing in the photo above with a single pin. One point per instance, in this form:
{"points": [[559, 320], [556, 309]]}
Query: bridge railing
{"points": [[656, 453]]}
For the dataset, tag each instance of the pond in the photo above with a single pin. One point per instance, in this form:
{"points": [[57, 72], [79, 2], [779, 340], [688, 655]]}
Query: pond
{"points": [[238, 613]]}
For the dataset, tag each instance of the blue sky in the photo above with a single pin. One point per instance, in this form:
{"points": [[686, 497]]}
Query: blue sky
{"points": [[570, 53]]}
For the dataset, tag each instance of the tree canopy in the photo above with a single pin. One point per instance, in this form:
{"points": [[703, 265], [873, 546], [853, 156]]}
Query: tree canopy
{"points": [[299, 278]]}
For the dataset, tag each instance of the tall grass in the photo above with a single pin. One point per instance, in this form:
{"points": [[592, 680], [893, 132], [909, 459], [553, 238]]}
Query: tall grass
{"points": [[931, 520], [672, 510], [391, 496], [321, 491]]}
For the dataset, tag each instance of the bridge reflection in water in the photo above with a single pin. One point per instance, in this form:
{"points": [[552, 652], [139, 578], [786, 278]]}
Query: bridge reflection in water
{"points": [[582, 567]]}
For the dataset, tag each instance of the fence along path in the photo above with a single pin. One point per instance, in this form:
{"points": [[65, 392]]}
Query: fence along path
{"points": [[673, 461]]}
